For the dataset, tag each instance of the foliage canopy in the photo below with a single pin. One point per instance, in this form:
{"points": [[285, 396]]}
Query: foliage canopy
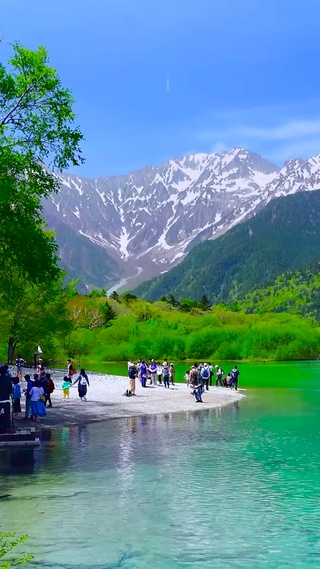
{"points": [[38, 139]]}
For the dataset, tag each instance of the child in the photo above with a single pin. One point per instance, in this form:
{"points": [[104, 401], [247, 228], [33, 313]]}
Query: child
{"points": [[187, 378], [228, 380], [37, 401], [66, 386], [16, 396]]}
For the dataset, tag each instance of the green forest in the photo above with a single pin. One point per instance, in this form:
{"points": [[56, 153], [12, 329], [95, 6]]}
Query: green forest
{"points": [[295, 292], [97, 329]]}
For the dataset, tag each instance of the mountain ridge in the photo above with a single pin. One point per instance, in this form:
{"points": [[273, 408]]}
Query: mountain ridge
{"points": [[283, 236], [149, 219]]}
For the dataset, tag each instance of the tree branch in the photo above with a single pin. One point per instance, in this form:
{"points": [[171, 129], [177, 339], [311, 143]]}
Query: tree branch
{"points": [[24, 94]]}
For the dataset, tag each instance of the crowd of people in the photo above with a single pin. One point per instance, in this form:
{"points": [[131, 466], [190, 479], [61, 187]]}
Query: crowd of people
{"points": [[199, 377], [39, 386], [37, 391]]}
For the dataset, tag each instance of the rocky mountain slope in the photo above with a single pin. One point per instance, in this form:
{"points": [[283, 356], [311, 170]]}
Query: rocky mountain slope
{"points": [[283, 236], [145, 222]]}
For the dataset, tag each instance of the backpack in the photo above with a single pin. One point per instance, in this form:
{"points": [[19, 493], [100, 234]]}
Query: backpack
{"points": [[194, 375], [83, 380], [165, 371], [72, 371], [132, 372], [205, 373]]}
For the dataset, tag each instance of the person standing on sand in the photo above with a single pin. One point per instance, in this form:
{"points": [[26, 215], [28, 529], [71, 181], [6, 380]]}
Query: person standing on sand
{"points": [[139, 364], [219, 375], [211, 373], [132, 372], [66, 387], [37, 401], [171, 373], [71, 370], [50, 390], [20, 363], [30, 384], [40, 365], [205, 376], [235, 377], [153, 372], [159, 373], [165, 374], [16, 397], [83, 383], [143, 374], [194, 375]]}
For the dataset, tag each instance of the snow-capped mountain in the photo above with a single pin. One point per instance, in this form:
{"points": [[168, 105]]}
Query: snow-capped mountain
{"points": [[146, 221]]}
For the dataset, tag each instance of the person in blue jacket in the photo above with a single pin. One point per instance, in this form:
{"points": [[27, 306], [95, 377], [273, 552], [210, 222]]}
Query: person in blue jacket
{"points": [[153, 372], [235, 377], [143, 374]]}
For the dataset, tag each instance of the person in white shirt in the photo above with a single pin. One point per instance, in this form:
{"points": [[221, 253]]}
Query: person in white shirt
{"points": [[159, 373], [219, 375]]}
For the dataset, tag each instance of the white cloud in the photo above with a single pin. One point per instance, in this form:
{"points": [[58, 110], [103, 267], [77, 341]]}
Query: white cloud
{"points": [[285, 131], [298, 149], [276, 132]]}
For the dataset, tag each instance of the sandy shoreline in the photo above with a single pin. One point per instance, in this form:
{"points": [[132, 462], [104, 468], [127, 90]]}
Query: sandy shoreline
{"points": [[105, 401]]}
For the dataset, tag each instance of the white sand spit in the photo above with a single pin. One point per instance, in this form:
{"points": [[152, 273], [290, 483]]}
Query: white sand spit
{"points": [[105, 400]]}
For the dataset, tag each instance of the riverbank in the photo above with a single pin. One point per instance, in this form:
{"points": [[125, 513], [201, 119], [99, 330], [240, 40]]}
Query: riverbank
{"points": [[105, 401]]}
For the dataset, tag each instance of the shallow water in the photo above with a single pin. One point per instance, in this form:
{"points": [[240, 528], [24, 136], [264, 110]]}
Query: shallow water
{"points": [[228, 488]]}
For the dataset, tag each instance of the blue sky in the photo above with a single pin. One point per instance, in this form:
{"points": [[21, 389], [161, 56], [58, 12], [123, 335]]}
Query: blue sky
{"points": [[241, 73]]}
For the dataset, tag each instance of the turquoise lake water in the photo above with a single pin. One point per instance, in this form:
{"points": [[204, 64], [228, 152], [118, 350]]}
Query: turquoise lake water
{"points": [[227, 488]]}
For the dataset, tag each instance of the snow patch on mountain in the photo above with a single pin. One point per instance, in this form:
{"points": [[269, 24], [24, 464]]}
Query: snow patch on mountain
{"points": [[153, 216]]}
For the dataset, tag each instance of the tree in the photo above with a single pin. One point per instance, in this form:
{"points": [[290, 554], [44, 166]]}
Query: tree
{"points": [[109, 313], [171, 299], [8, 542], [187, 305], [98, 293], [127, 298], [38, 140], [32, 313], [79, 342], [204, 303], [90, 313], [114, 295]]}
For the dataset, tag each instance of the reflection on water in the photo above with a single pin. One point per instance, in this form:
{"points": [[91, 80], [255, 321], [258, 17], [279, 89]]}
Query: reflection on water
{"points": [[233, 487]]}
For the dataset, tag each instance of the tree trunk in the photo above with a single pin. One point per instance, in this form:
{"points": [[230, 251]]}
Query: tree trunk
{"points": [[11, 349]]}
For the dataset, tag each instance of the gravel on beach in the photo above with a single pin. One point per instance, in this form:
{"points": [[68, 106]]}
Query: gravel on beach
{"points": [[106, 400]]}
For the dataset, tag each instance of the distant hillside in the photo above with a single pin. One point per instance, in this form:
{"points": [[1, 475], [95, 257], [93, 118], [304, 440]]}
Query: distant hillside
{"points": [[284, 236], [296, 292]]}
